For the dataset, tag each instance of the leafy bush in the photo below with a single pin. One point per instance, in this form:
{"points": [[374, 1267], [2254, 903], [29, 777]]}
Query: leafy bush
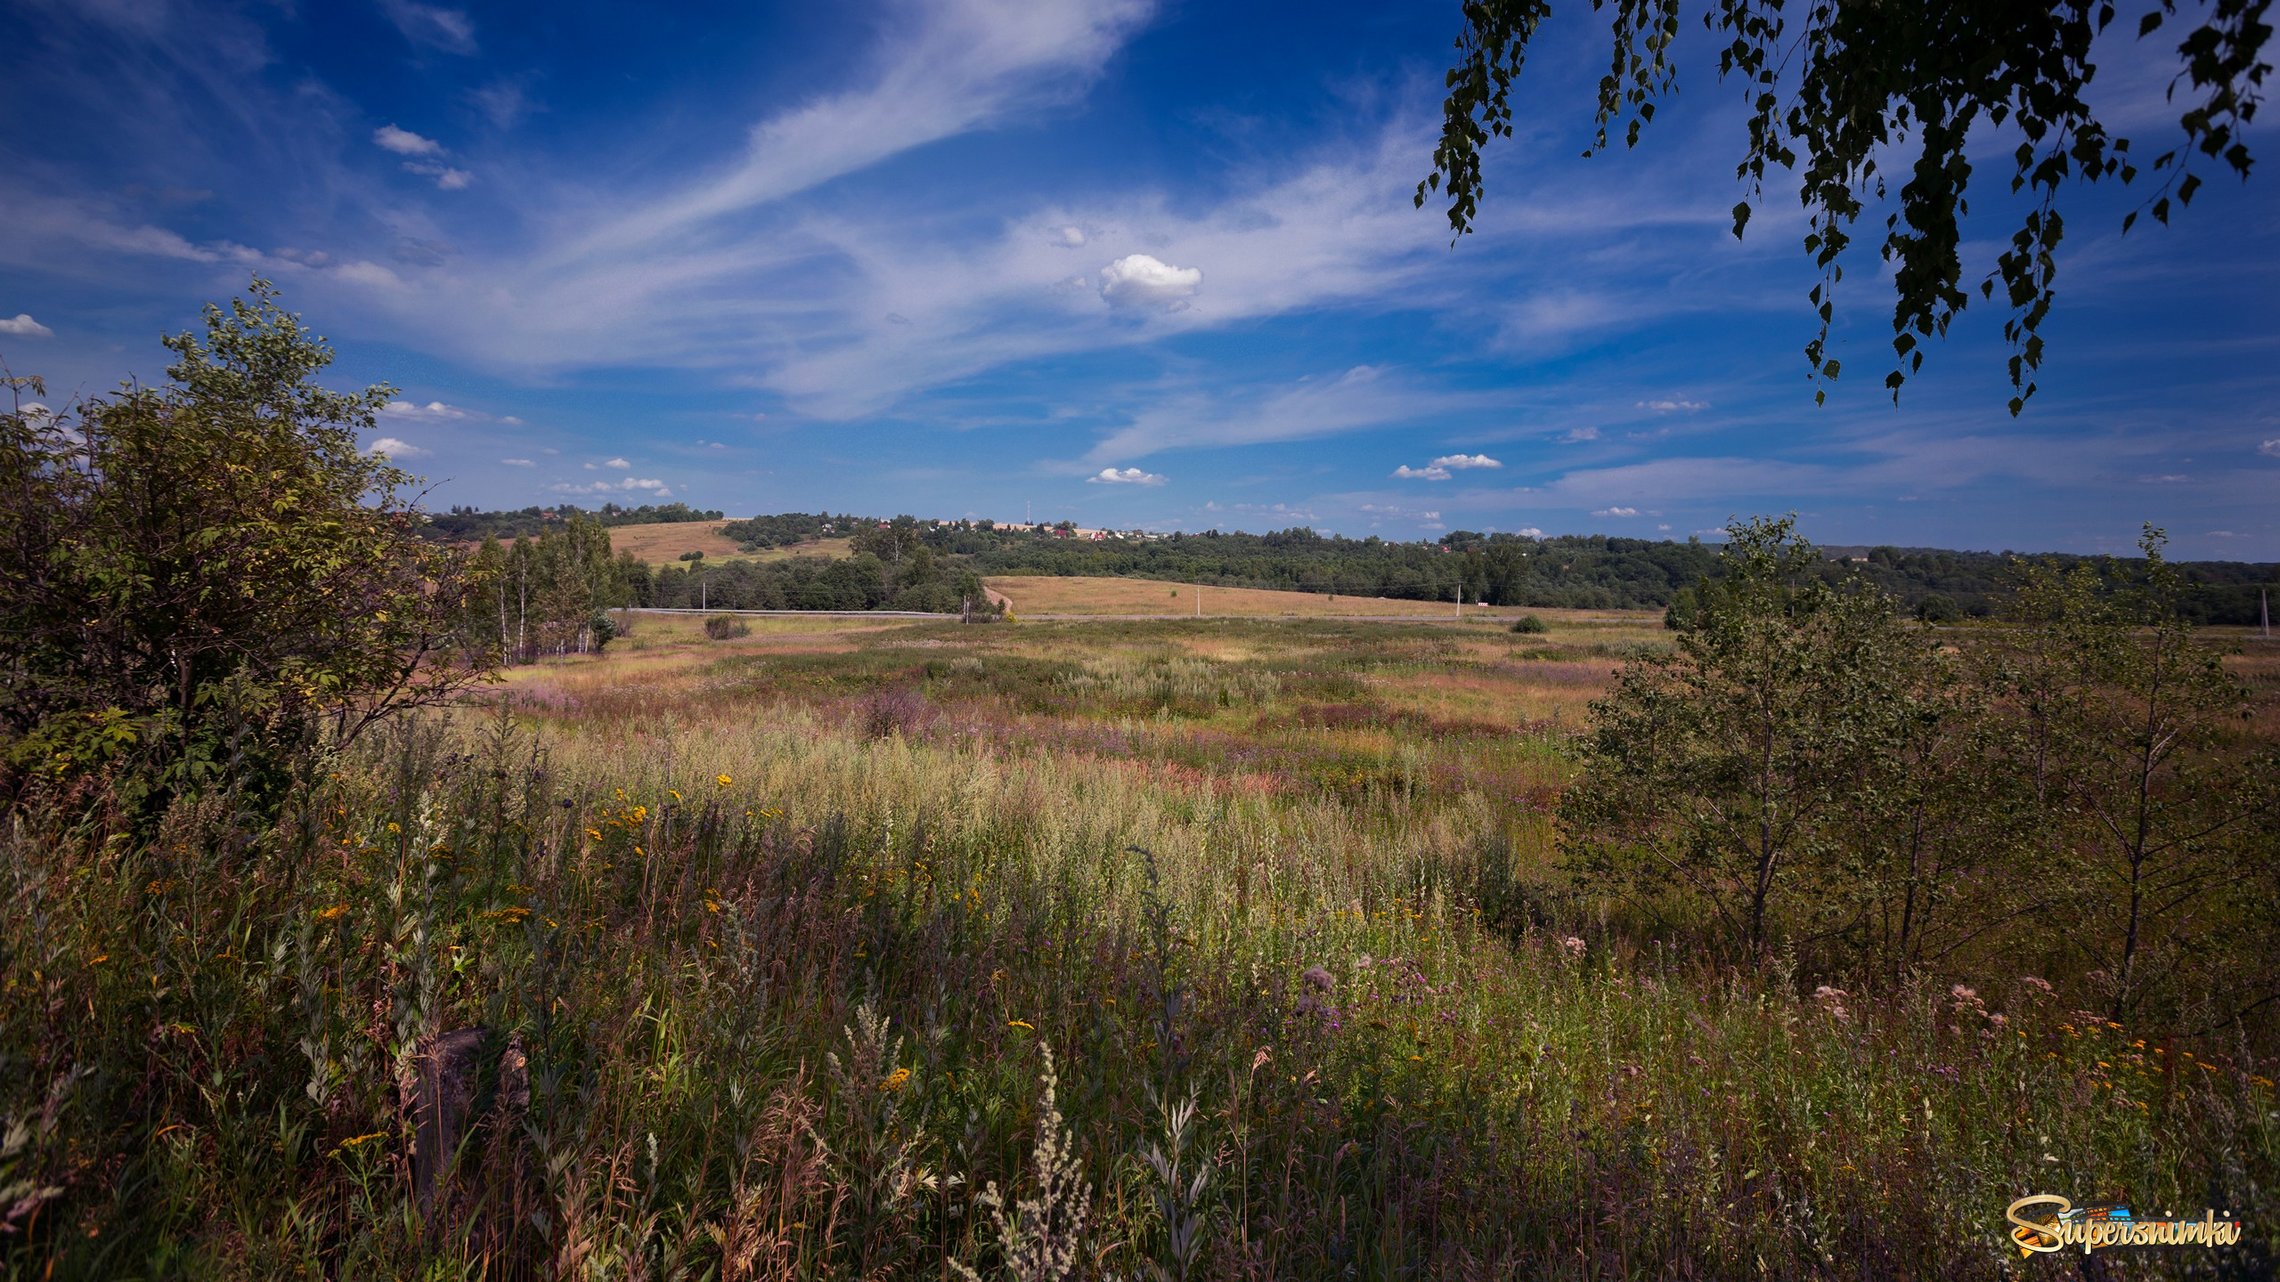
{"points": [[1530, 625], [203, 582], [725, 627]]}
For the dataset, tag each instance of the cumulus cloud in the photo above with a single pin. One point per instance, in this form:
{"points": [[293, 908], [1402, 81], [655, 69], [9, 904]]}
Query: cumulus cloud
{"points": [[450, 30], [616, 463], [1123, 476], [1430, 472], [446, 177], [1142, 280], [1617, 511], [1674, 406], [393, 448], [405, 143], [433, 410], [23, 326], [2270, 449], [1465, 460], [1578, 435], [1529, 532], [519, 462], [1070, 237]]}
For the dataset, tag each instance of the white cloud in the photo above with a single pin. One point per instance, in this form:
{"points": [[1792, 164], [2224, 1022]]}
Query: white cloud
{"points": [[519, 462], [23, 326], [2165, 478], [1617, 511], [1144, 280], [511, 420], [1674, 406], [1070, 236], [616, 463], [1578, 435], [1664, 528], [631, 484], [367, 273], [1127, 476], [1529, 532], [1465, 460], [405, 143], [433, 410], [394, 448], [450, 30], [2270, 449], [1429, 473]]}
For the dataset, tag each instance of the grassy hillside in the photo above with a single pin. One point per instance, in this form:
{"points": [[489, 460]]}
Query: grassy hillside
{"points": [[663, 543]]}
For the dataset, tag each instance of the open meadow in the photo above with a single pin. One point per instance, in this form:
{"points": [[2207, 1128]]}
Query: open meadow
{"points": [[1231, 948], [1079, 595]]}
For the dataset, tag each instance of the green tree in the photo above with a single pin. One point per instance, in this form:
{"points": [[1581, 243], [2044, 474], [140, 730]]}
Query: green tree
{"points": [[2155, 816], [200, 582], [1721, 779], [1839, 91]]}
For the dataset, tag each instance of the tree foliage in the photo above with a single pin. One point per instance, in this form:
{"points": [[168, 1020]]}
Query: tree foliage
{"points": [[199, 580], [1838, 91], [1810, 772]]}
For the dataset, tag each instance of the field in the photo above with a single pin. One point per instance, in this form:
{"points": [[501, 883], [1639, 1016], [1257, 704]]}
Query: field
{"points": [[664, 542], [1155, 597], [1231, 948]]}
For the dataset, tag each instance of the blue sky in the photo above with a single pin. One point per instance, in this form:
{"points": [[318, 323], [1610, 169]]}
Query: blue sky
{"points": [[1123, 262]]}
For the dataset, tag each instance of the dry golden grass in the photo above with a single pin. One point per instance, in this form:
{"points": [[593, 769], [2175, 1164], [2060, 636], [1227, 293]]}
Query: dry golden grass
{"points": [[662, 543], [1114, 596]]}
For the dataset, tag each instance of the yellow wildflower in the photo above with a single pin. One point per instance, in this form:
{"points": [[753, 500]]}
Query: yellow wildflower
{"points": [[723, 780], [334, 913], [1021, 1024], [896, 1080]]}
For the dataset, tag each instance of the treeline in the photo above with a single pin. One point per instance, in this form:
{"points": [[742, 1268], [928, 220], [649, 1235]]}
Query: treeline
{"points": [[1568, 571], [784, 529], [921, 581], [467, 524]]}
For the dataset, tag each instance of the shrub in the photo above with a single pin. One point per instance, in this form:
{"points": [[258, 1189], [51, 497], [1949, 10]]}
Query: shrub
{"points": [[1530, 625], [726, 627], [692, 556]]}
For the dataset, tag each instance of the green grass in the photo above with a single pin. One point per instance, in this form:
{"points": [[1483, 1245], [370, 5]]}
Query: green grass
{"points": [[1299, 872]]}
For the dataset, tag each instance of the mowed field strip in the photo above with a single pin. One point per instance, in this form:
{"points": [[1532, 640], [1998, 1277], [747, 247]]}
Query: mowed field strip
{"points": [[1152, 598], [662, 543]]}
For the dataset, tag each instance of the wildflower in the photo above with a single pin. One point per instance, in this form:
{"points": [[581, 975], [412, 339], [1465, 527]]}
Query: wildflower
{"points": [[1574, 945], [896, 1080], [1022, 1024], [2039, 985], [359, 1141], [334, 913], [98, 959], [674, 793], [723, 780]]}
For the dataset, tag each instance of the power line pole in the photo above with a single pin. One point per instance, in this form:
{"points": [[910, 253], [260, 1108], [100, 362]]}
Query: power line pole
{"points": [[2264, 596], [1199, 600]]}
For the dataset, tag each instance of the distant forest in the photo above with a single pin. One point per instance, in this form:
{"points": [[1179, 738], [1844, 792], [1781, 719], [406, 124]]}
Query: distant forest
{"points": [[468, 525], [1567, 571]]}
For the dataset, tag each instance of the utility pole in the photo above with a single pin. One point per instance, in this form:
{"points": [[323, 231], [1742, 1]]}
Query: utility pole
{"points": [[2264, 596], [1199, 600], [704, 593]]}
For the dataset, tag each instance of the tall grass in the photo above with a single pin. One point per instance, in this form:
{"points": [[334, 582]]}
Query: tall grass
{"points": [[785, 983]]}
